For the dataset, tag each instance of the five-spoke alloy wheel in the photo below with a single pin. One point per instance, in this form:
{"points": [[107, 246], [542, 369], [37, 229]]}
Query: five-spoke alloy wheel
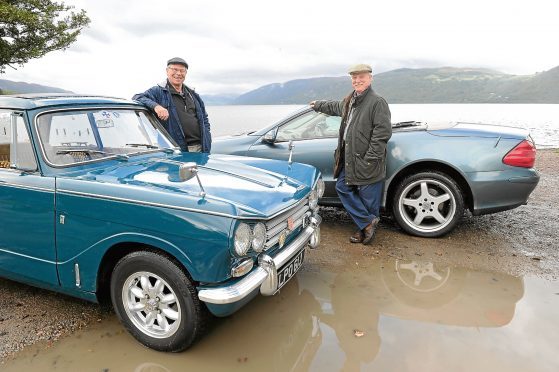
{"points": [[428, 204]]}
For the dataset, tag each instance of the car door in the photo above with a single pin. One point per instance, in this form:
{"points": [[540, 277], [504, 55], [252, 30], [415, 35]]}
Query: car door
{"points": [[314, 136], [27, 249]]}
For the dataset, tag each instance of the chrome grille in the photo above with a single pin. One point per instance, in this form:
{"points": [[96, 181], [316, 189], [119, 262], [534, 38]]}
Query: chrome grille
{"points": [[277, 225]]}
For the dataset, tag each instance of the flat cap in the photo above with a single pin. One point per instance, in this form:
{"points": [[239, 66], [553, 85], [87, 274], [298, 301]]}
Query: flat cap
{"points": [[355, 69], [177, 61]]}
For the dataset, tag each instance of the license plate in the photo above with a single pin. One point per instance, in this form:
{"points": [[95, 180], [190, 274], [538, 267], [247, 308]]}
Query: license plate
{"points": [[289, 270]]}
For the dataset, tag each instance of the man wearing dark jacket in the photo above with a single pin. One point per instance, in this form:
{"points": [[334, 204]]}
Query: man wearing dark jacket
{"points": [[180, 109], [360, 159]]}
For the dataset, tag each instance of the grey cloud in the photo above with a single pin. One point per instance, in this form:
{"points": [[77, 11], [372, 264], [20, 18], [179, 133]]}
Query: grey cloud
{"points": [[97, 35], [80, 48], [145, 28], [270, 75]]}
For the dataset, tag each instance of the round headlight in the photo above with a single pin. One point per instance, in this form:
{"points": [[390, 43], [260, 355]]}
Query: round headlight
{"points": [[242, 239], [313, 199], [320, 187], [258, 237]]}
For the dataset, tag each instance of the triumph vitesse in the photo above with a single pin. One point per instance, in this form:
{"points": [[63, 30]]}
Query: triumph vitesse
{"points": [[96, 201]]}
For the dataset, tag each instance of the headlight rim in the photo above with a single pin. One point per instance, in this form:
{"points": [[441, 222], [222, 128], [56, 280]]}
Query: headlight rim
{"points": [[255, 247], [240, 251]]}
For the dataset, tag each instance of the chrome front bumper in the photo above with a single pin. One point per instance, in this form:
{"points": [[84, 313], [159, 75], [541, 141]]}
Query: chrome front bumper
{"points": [[265, 275]]}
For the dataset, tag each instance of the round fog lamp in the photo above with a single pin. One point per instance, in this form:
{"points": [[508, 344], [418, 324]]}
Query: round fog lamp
{"points": [[258, 237], [242, 239]]}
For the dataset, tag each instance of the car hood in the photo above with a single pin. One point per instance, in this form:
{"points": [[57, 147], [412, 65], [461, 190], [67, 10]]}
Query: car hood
{"points": [[235, 186], [478, 130]]}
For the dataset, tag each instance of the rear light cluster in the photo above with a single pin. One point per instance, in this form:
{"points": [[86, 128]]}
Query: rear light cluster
{"points": [[522, 155]]}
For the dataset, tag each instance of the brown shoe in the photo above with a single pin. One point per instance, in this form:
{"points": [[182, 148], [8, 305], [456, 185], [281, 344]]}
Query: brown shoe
{"points": [[369, 231], [357, 237]]}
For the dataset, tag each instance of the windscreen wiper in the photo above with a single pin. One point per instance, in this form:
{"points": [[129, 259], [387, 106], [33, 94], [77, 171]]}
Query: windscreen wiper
{"points": [[404, 124], [146, 145], [90, 152]]}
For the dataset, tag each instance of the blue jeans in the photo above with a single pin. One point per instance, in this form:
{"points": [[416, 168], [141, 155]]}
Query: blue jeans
{"points": [[361, 202]]}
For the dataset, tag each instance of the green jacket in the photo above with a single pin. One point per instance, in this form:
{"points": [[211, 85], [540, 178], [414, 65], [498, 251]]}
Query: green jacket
{"points": [[369, 130]]}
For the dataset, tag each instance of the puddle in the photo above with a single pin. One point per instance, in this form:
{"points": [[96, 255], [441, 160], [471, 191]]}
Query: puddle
{"points": [[383, 315]]}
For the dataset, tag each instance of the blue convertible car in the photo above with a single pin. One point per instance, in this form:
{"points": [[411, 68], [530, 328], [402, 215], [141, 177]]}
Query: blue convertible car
{"points": [[98, 203], [433, 172]]}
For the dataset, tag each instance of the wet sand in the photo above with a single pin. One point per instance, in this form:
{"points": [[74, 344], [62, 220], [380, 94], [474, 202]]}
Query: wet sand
{"points": [[374, 306]]}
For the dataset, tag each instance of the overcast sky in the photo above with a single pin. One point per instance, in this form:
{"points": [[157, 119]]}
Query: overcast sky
{"points": [[236, 46]]}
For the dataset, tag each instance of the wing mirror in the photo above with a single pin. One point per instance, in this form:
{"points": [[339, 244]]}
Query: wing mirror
{"points": [[188, 171], [271, 136]]}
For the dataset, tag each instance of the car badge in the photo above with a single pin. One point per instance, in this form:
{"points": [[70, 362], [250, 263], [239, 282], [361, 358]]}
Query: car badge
{"points": [[282, 238], [290, 224], [300, 188]]}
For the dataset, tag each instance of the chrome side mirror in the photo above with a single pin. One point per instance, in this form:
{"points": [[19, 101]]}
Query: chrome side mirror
{"points": [[271, 136], [188, 171]]}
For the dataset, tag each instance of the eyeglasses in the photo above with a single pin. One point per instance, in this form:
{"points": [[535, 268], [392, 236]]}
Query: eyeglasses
{"points": [[177, 70]]}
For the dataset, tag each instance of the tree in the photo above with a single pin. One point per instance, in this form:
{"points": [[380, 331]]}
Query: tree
{"points": [[32, 28]]}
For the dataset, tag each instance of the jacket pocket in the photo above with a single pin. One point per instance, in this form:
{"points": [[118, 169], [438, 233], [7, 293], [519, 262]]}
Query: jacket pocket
{"points": [[367, 169]]}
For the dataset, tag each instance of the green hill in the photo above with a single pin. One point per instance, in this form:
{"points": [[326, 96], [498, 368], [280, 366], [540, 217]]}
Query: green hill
{"points": [[429, 85], [11, 87], [426, 85]]}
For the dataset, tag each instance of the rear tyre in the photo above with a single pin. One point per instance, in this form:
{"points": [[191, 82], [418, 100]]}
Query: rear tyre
{"points": [[156, 302], [428, 204]]}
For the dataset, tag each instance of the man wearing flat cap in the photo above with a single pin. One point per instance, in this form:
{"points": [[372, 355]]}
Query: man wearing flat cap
{"points": [[360, 158], [180, 109]]}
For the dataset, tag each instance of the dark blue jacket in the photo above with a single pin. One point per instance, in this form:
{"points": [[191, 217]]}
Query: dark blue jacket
{"points": [[160, 95]]}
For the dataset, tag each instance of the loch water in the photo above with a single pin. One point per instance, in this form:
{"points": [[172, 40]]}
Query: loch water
{"points": [[541, 119]]}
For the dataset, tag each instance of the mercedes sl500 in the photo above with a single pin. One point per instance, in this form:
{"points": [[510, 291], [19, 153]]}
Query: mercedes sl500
{"points": [[434, 172]]}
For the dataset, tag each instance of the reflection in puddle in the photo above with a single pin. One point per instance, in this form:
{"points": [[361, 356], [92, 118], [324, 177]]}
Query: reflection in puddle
{"points": [[381, 315]]}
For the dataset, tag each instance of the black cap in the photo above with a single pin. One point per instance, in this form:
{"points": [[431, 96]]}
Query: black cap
{"points": [[177, 61]]}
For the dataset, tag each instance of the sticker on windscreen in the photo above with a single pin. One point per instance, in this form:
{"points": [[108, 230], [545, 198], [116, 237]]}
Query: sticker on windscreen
{"points": [[103, 119]]}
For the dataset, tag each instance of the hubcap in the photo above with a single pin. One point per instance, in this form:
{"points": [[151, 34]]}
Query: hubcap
{"points": [[151, 304], [427, 205]]}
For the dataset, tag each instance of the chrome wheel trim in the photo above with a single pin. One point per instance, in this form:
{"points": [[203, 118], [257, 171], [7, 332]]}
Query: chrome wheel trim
{"points": [[151, 304], [427, 205]]}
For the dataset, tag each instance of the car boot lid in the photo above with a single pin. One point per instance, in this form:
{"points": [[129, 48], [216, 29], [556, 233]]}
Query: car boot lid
{"points": [[461, 129]]}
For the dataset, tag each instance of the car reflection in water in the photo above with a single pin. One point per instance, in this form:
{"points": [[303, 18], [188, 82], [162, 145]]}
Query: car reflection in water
{"points": [[352, 303], [330, 321]]}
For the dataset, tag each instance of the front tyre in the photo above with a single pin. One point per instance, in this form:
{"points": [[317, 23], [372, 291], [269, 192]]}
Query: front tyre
{"points": [[156, 302], [428, 204]]}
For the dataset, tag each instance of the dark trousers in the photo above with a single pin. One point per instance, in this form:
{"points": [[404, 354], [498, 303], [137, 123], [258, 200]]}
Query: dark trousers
{"points": [[361, 202]]}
